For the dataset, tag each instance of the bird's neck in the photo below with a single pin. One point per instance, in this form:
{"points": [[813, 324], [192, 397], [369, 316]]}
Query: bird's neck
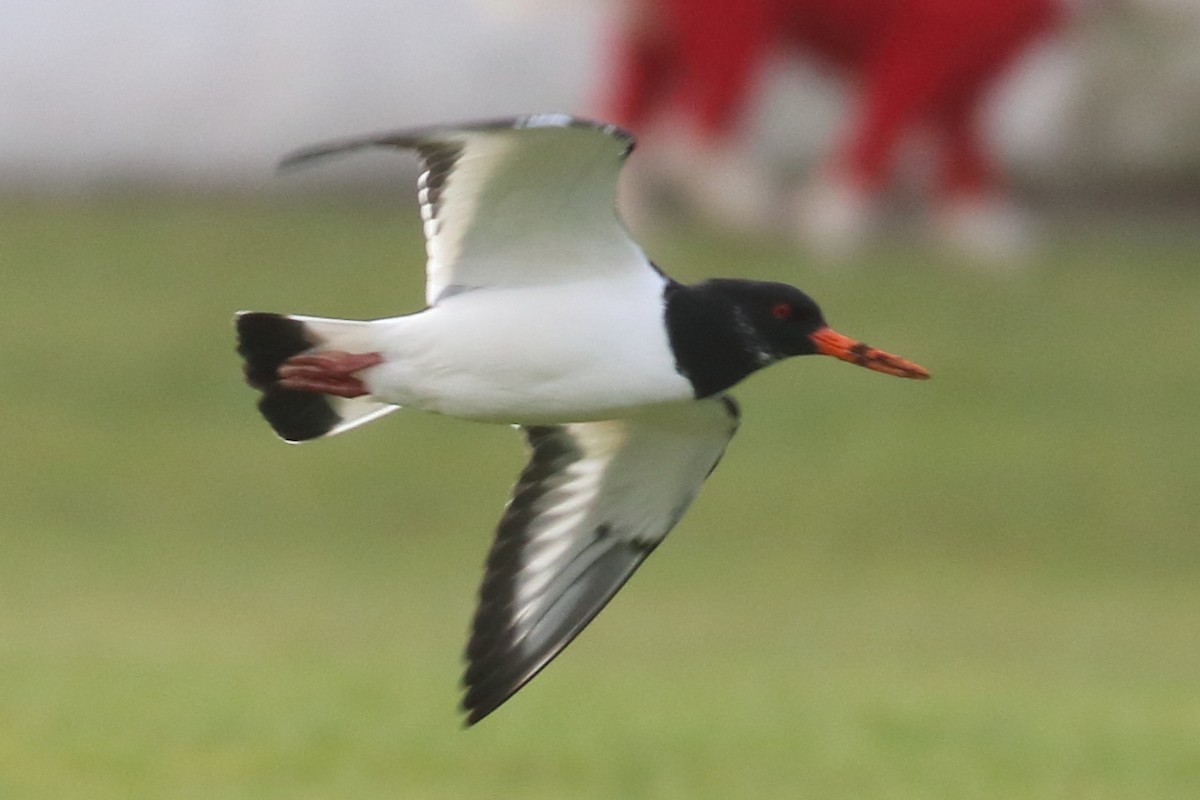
{"points": [[714, 343]]}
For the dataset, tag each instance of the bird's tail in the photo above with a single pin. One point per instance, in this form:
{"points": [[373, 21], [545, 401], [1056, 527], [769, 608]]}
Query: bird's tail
{"points": [[267, 340]]}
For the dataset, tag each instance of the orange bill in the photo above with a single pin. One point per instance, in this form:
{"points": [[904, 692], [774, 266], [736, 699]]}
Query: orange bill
{"points": [[832, 343]]}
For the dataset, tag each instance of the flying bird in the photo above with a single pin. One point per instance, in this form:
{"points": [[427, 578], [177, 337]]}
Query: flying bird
{"points": [[543, 313]]}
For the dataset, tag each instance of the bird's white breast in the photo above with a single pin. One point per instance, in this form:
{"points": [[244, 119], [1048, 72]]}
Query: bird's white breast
{"points": [[567, 352]]}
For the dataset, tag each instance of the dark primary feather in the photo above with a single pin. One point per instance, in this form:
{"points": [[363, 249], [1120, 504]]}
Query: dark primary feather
{"points": [[501, 657]]}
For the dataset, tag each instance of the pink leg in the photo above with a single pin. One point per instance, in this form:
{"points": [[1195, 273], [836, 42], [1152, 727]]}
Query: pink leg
{"points": [[327, 372]]}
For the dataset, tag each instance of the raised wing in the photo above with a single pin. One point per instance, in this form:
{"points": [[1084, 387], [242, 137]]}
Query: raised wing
{"points": [[594, 500], [514, 202]]}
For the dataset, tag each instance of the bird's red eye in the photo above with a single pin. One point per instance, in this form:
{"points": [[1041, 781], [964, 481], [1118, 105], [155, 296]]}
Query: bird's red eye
{"points": [[781, 310]]}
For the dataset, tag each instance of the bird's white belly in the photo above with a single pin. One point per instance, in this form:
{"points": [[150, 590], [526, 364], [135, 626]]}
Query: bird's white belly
{"points": [[566, 353]]}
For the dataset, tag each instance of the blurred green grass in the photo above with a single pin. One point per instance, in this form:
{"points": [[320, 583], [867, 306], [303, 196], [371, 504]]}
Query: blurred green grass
{"points": [[983, 586]]}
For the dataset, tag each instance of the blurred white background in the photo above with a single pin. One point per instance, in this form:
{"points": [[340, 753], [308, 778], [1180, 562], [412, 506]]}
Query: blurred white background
{"points": [[213, 91]]}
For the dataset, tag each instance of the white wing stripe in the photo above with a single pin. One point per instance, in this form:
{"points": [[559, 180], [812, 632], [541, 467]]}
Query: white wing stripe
{"points": [[514, 202], [594, 500]]}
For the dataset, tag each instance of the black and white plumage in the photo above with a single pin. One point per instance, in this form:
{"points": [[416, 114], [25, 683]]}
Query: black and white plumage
{"points": [[543, 313]]}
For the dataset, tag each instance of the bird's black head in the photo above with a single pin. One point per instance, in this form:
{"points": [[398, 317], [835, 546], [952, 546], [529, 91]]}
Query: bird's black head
{"points": [[774, 319], [722, 330]]}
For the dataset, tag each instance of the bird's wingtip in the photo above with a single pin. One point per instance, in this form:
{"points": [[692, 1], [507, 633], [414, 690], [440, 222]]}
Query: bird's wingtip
{"points": [[303, 157]]}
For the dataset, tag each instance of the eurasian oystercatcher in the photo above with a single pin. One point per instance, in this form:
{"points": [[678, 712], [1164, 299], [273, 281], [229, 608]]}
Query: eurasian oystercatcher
{"points": [[544, 314]]}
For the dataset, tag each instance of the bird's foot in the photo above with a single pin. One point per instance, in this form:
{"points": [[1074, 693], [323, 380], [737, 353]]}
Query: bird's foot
{"points": [[327, 372]]}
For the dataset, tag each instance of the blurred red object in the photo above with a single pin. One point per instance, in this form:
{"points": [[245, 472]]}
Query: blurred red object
{"points": [[914, 63]]}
